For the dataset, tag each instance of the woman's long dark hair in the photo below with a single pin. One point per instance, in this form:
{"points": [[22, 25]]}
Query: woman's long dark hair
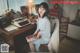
{"points": [[46, 7]]}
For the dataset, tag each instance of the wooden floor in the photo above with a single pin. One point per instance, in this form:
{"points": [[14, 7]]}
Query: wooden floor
{"points": [[67, 46]]}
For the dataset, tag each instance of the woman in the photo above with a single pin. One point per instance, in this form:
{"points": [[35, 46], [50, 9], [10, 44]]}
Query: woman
{"points": [[42, 34]]}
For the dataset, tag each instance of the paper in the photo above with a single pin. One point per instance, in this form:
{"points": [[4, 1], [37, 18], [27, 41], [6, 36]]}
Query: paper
{"points": [[30, 38], [11, 27]]}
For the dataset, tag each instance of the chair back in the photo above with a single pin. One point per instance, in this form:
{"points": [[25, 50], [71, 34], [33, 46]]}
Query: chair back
{"points": [[53, 44]]}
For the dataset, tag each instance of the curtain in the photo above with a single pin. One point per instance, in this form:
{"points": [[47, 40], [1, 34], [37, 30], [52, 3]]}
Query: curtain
{"points": [[3, 6], [14, 4]]}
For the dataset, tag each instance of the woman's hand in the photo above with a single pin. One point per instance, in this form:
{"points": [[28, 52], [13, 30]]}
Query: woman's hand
{"points": [[37, 34]]}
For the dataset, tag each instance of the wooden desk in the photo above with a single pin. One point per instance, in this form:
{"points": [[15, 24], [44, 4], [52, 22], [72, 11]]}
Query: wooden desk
{"points": [[9, 36]]}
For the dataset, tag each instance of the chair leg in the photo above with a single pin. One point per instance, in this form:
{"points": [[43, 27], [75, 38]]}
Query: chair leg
{"points": [[32, 47]]}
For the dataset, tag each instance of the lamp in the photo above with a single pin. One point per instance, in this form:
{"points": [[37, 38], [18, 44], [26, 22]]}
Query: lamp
{"points": [[31, 6]]}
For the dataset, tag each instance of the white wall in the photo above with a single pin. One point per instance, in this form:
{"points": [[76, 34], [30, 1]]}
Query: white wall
{"points": [[70, 10]]}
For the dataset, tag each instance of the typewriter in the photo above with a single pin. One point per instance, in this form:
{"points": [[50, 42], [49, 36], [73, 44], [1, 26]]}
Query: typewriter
{"points": [[20, 22]]}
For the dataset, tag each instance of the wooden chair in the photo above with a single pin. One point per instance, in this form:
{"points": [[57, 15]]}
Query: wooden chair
{"points": [[63, 27]]}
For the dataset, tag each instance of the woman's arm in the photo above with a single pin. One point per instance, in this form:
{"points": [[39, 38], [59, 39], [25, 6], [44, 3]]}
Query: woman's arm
{"points": [[37, 34]]}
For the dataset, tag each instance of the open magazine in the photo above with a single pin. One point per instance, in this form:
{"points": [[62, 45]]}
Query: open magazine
{"points": [[30, 38]]}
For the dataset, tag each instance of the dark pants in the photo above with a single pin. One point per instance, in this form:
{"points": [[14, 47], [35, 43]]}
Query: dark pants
{"points": [[20, 43]]}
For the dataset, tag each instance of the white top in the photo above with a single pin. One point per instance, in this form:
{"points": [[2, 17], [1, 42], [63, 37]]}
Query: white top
{"points": [[43, 24]]}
